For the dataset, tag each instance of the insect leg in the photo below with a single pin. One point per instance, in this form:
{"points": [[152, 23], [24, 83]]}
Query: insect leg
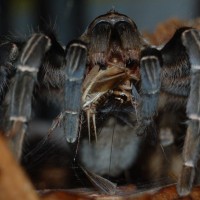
{"points": [[150, 69], [21, 90], [75, 70], [191, 40]]}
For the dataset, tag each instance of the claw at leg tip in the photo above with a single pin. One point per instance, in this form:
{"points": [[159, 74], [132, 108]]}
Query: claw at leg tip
{"points": [[71, 140]]}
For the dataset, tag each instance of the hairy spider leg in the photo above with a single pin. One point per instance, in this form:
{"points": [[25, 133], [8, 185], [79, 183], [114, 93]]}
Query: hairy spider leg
{"points": [[21, 90], [191, 40], [150, 69], [8, 53], [75, 70]]}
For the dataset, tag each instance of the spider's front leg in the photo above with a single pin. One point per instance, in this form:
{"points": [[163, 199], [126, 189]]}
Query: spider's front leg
{"points": [[150, 69], [75, 71], [191, 39], [21, 90], [76, 58]]}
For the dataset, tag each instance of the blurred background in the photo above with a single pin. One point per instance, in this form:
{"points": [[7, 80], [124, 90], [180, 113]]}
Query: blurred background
{"points": [[69, 18]]}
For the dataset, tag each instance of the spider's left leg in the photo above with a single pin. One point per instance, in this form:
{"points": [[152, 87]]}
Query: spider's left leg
{"points": [[8, 54], [191, 40], [75, 71], [150, 69], [76, 58], [21, 90]]}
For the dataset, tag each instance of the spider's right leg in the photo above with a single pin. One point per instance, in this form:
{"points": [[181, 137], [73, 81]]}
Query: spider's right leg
{"points": [[21, 90], [191, 40], [150, 70]]}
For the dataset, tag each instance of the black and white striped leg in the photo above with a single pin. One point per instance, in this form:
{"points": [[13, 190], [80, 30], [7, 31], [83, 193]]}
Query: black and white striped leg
{"points": [[21, 90], [75, 71], [191, 40], [150, 69]]}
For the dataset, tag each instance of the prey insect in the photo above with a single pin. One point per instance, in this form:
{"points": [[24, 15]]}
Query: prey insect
{"points": [[98, 85], [112, 64]]}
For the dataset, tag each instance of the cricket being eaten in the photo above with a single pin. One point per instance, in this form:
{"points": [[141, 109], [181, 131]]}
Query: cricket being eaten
{"points": [[127, 106]]}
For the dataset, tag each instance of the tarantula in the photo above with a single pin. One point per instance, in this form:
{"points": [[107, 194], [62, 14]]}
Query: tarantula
{"points": [[111, 69]]}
